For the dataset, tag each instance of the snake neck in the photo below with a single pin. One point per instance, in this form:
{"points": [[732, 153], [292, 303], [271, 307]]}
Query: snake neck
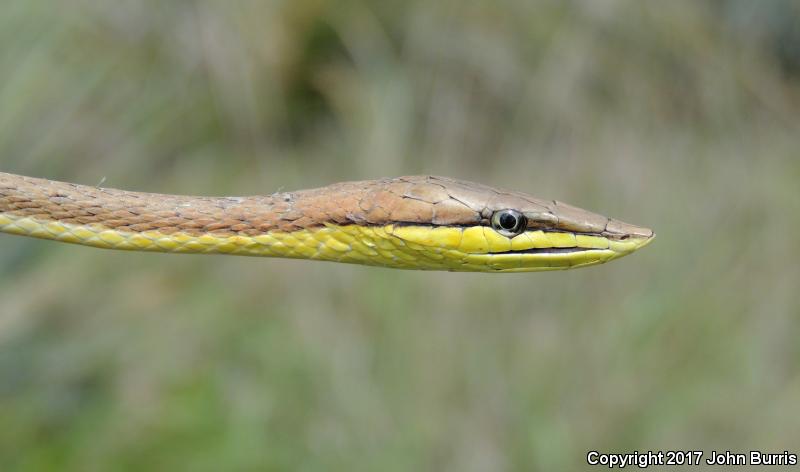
{"points": [[281, 224]]}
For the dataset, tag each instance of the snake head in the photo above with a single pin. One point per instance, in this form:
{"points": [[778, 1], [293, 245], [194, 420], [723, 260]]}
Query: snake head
{"points": [[468, 226]]}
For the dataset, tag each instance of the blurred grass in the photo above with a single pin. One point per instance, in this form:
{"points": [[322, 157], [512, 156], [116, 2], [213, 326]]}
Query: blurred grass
{"points": [[682, 116]]}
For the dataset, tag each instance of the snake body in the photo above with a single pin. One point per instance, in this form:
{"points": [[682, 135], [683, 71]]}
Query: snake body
{"points": [[416, 222]]}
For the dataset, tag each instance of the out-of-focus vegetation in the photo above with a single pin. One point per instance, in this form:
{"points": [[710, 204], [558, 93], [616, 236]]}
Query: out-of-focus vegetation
{"points": [[683, 116]]}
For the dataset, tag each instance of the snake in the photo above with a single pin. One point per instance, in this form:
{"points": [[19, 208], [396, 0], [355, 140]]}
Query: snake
{"points": [[413, 222]]}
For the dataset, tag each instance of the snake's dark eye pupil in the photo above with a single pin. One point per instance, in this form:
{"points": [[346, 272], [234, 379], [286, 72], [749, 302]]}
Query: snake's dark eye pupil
{"points": [[508, 221]]}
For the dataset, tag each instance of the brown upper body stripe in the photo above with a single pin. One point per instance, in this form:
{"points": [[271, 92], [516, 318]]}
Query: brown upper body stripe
{"points": [[425, 200]]}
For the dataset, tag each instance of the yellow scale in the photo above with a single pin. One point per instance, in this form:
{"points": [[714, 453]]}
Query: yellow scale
{"points": [[409, 247]]}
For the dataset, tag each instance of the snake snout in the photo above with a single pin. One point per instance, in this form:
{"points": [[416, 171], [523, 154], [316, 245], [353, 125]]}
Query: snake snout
{"points": [[622, 230]]}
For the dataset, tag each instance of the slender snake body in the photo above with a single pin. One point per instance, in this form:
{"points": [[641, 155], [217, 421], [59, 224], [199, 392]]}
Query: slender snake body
{"points": [[417, 222]]}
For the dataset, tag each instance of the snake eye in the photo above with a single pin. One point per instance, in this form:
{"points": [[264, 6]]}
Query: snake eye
{"points": [[509, 222]]}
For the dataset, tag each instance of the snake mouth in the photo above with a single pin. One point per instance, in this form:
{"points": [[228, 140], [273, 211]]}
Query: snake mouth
{"points": [[551, 250], [620, 247]]}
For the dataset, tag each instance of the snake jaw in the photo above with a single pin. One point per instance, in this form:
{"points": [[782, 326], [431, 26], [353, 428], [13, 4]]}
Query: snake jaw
{"points": [[537, 250]]}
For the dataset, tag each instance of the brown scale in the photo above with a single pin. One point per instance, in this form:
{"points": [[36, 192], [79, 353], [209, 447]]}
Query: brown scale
{"points": [[426, 200]]}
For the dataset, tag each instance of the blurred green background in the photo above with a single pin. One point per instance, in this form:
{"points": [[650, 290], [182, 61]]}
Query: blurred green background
{"points": [[682, 116]]}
